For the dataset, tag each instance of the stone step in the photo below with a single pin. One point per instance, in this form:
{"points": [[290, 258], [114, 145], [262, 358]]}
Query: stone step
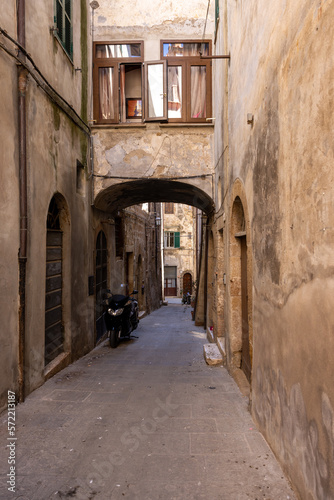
{"points": [[212, 354], [209, 335], [221, 347]]}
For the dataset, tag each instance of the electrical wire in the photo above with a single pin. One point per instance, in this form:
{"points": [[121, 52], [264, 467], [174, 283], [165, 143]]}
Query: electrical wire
{"points": [[148, 178], [84, 127]]}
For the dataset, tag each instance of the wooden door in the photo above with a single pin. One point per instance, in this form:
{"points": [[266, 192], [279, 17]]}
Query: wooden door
{"points": [[170, 285], [54, 336], [187, 283], [245, 353]]}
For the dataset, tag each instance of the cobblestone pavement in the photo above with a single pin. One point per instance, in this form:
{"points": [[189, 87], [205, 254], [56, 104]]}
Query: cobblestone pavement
{"points": [[148, 421]]}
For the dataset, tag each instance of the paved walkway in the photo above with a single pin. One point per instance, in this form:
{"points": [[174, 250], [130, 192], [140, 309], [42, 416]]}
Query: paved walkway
{"points": [[148, 421]]}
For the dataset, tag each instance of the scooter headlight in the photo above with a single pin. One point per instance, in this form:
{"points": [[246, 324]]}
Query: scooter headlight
{"points": [[116, 312]]}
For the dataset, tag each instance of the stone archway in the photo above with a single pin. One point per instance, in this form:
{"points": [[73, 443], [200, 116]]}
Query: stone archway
{"points": [[240, 288], [115, 196]]}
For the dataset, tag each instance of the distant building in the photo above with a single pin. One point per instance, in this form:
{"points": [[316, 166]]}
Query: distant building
{"points": [[180, 243]]}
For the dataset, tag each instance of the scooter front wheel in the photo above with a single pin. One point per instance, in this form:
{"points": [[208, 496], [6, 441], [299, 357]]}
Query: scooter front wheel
{"points": [[114, 338]]}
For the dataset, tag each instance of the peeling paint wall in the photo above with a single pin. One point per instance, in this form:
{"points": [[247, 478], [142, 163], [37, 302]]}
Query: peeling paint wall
{"points": [[9, 215], [153, 150], [54, 145], [282, 72]]}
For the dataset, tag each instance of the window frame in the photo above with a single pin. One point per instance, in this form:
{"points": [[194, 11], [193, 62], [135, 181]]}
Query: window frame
{"points": [[61, 37], [115, 63], [172, 235], [187, 62], [147, 116], [169, 208]]}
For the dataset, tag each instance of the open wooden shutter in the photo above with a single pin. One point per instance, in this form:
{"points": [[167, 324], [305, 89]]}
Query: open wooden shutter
{"points": [[155, 91]]}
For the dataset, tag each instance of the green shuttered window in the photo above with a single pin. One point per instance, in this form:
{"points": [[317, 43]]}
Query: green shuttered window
{"points": [[63, 23], [177, 240]]}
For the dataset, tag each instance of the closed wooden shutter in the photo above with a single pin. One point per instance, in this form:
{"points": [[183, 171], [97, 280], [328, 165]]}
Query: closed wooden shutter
{"points": [[53, 296], [54, 336]]}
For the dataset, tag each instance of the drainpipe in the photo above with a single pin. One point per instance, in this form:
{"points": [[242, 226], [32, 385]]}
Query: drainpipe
{"points": [[22, 85], [206, 258]]}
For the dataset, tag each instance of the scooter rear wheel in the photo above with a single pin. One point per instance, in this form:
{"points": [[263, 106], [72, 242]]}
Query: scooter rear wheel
{"points": [[114, 338]]}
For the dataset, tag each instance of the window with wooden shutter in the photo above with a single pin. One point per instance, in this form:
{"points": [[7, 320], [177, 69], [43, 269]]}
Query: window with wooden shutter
{"points": [[63, 23], [169, 208], [177, 240]]}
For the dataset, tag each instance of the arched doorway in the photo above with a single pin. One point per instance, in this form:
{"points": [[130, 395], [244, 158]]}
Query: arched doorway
{"points": [[239, 290], [54, 327], [187, 283], [101, 277]]}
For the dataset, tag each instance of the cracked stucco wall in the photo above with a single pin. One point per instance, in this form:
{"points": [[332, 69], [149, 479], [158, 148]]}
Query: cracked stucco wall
{"points": [[282, 72]]}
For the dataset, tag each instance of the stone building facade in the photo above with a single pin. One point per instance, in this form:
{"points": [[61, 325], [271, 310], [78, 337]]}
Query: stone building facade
{"points": [[180, 243], [248, 139], [57, 250], [271, 239]]}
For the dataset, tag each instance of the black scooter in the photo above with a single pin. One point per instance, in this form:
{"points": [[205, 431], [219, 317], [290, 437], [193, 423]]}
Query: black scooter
{"points": [[121, 317]]}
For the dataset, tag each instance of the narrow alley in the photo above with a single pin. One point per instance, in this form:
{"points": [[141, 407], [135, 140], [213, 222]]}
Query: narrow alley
{"points": [[149, 420]]}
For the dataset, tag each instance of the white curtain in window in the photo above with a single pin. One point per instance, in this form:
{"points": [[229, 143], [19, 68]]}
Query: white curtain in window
{"points": [[122, 93], [174, 91], [198, 92], [107, 111]]}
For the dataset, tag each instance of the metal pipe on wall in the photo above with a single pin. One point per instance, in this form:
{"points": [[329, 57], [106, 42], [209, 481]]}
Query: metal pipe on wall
{"points": [[22, 85]]}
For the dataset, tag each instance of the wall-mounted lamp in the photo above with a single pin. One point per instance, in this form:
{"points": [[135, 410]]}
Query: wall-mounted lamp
{"points": [[250, 118], [94, 5], [157, 221]]}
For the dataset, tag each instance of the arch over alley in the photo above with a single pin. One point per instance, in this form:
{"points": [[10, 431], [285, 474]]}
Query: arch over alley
{"points": [[122, 195]]}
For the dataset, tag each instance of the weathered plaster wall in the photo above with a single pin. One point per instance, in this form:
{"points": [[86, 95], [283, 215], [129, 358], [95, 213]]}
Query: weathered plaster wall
{"points": [[282, 71], [9, 214], [169, 19], [54, 144], [50, 57], [153, 152]]}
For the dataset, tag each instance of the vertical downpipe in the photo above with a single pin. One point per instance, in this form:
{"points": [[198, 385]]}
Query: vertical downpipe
{"points": [[206, 273], [22, 85]]}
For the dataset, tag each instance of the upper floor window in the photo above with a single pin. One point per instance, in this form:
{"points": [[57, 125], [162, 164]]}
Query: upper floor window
{"points": [[169, 208], [127, 89], [189, 80], [172, 239], [63, 23], [216, 18], [117, 80]]}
